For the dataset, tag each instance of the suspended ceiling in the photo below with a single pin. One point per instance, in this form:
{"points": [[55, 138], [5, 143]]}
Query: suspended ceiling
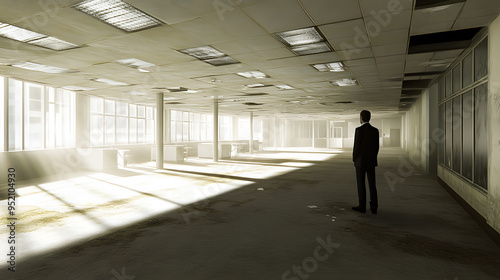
{"points": [[371, 38]]}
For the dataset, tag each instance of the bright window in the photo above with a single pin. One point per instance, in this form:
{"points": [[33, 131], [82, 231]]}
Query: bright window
{"points": [[15, 115]]}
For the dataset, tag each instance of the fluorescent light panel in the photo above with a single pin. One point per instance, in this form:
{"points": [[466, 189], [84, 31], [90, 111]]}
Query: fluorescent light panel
{"points": [[34, 38], [311, 48], [304, 41], [110, 82], [253, 74], [332, 67], [210, 55], [256, 85], [220, 61], [300, 36], [204, 52], [53, 43], [19, 34], [42, 68], [345, 82], [284, 87], [118, 14]]}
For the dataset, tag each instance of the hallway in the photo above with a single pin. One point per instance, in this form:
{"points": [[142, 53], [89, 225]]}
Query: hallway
{"points": [[147, 223]]}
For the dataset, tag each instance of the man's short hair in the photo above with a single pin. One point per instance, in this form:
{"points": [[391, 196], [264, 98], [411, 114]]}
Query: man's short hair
{"points": [[365, 115]]}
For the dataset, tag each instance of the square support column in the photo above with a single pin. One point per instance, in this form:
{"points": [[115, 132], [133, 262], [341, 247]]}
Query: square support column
{"points": [[159, 131], [216, 129]]}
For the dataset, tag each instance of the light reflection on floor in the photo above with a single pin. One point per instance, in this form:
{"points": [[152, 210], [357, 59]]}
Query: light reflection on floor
{"points": [[57, 213]]}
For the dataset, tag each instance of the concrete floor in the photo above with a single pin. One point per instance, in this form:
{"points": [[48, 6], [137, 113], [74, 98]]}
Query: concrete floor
{"points": [[142, 224]]}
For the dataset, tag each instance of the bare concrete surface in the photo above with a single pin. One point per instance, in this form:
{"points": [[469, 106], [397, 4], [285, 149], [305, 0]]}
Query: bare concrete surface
{"points": [[300, 226]]}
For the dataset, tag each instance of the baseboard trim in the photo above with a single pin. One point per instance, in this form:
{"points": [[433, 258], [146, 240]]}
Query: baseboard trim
{"points": [[492, 233]]}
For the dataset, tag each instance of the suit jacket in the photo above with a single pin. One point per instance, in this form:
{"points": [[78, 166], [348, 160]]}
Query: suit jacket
{"points": [[366, 146]]}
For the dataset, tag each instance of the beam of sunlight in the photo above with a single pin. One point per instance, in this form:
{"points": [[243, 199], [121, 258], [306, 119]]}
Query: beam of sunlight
{"points": [[64, 212]]}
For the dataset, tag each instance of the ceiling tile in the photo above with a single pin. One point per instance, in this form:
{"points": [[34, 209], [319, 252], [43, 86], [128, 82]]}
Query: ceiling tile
{"points": [[291, 15], [463, 23], [480, 8], [388, 22], [328, 11], [430, 16], [370, 7], [203, 31], [431, 28], [169, 11], [390, 37], [347, 29], [321, 57], [355, 54], [236, 23], [392, 49]]}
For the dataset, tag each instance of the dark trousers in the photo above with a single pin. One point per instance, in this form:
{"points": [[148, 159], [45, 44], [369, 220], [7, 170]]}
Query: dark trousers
{"points": [[360, 176]]}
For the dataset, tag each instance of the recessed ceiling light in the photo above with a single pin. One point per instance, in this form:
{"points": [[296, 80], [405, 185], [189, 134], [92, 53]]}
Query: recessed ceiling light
{"points": [[118, 14], [311, 48], [42, 68], [304, 41], [345, 82], [170, 98], [299, 102], [284, 87], [77, 88], [256, 85], [332, 67], [135, 63], [253, 74], [110, 82], [300, 36], [53, 43], [204, 52], [220, 61], [34, 38], [18, 34], [210, 55]]}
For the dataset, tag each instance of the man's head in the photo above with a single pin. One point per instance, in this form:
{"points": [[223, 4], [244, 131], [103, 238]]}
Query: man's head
{"points": [[365, 116]]}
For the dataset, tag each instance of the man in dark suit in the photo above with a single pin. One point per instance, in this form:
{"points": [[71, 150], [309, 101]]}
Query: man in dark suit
{"points": [[364, 155]]}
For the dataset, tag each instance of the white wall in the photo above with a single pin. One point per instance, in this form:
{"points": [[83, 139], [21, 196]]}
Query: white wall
{"points": [[493, 208], [486, 203]]}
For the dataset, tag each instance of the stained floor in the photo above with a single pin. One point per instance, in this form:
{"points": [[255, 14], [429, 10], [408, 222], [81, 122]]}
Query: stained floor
{"points": [[273, 215]]}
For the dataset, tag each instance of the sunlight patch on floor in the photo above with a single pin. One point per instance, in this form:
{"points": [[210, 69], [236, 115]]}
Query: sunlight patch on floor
{"points": [[58, 213]]}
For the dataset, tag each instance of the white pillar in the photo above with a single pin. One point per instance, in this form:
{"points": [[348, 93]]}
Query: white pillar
{"points": [[251, 133], [5, 104], [167, 124], [275, 132], [82, 112], [328, 132], [313, 144], [216, 129], [159, 131]]}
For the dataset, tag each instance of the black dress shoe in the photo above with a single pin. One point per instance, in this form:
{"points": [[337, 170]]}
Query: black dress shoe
{"points": [[373, 210], [359, 209]]}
